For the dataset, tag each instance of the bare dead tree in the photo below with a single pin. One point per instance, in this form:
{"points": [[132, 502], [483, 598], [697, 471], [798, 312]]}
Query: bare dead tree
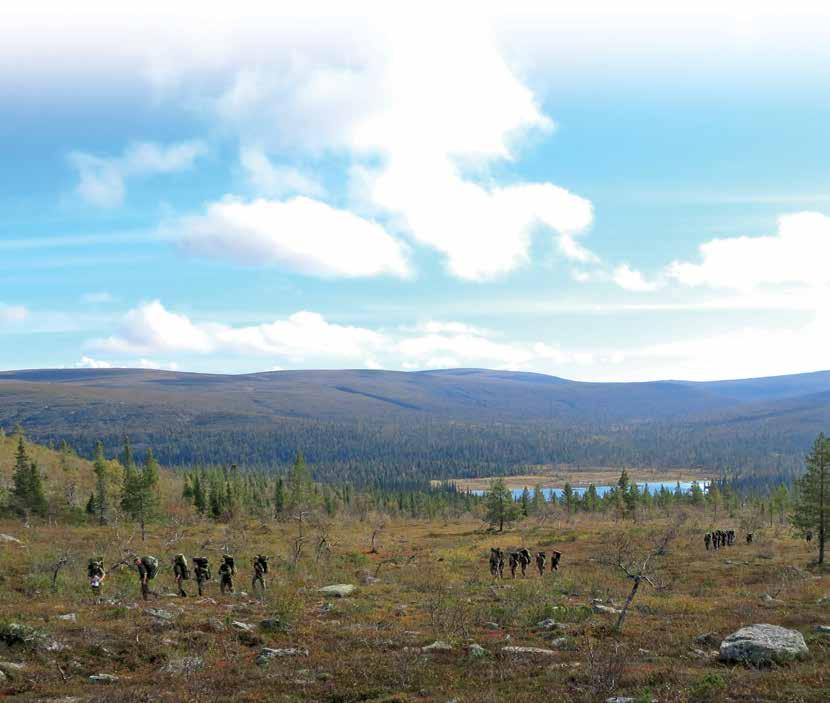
{"points": [[377, 528], [56, 568], [640, 566]]}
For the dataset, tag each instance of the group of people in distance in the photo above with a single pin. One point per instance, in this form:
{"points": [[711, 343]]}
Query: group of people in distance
{"points": [[521, 559], [148, 567], [722, 538]]}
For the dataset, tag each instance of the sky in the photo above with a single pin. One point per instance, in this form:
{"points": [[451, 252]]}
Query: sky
{"points": [[599, 193]]}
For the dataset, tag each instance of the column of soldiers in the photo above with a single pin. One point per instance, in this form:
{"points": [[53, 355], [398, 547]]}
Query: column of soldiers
{"points": [[521, 559], [148, 566], [722, 538]]}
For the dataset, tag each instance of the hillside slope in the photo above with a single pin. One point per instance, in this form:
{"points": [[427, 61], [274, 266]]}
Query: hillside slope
{"points": [[431, 423]]}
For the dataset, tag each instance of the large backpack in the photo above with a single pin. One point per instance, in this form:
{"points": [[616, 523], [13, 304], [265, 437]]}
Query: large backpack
{"points": [[202, 566], [263, 563], [94, 567], [181, 562], [228, 559], [152, 566]]}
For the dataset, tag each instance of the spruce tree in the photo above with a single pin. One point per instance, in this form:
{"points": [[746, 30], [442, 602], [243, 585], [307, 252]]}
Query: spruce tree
{"points": [[199, 498], [811, 505], [21, 478], [37, 498], [279, 497], [499, 504], [102, 498], [299, 486], [525, 502]]}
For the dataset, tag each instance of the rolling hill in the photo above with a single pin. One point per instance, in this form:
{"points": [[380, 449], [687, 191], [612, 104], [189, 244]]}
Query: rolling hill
{"points": [[423, 424]]}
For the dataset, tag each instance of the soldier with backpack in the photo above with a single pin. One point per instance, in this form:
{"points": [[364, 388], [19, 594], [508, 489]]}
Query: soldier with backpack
{"points": [[95, 572], [226, 573], [181, 573], [260, 569], [201, 567], [147, 569]]}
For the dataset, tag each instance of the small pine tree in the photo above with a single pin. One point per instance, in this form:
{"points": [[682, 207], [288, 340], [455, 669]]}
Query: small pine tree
{"points": [[524, 502], [37, 498], [199, 498]]}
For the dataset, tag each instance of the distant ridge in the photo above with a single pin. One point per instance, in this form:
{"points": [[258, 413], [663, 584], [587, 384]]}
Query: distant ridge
{"points": [[475, 415]]}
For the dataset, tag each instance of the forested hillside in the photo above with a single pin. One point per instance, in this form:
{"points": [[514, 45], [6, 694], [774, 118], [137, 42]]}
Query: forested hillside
{"points": [[366, 426]]}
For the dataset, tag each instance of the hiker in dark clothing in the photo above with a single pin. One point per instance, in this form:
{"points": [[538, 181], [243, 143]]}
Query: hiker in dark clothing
{"points": [[496, 562], [541, 562], [145, 575], [226, 574], [201, 567], [554, 560], [260, 569], [707, 540]]}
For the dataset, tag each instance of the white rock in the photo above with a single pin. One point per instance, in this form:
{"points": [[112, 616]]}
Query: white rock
{"points": [[71, 617], [242, 626], [268, 653], [103, 678], [528, 651], [823, 629], [8, 539], [476, 651], [437, 646], [338, 590], [762, 644], [607, 609]]}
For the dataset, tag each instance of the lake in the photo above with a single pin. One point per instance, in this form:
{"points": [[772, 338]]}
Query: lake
{"points": [[653, 487]]}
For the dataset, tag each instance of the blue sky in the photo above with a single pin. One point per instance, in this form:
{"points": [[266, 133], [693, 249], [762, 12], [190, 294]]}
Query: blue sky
{"points": [[594, 195]]}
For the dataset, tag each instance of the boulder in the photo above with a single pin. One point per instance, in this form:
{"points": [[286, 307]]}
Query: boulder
{"points": [[242, 626], [338, 590], [546, 624], [69, 617], [8, 539], [823, 629], [763, 644], [528, 651], [606, 609]]}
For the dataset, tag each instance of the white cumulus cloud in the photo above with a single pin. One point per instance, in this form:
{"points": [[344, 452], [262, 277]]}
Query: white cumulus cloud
{"points": [[300, 234], [796, 254]]}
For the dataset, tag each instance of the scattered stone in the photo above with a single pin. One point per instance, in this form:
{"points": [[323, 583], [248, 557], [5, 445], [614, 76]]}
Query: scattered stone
{"points": [[8, 539], [367, 579], [3, 677], [338, 590], [824, 600], [492, 626], [54, 646], [437, 646], [528, 651], [242, 626], [185, 665], [546, 624], [326, 607], [103, 678], [400, 610], [213, 625], [267, 654], [708, 639], [607, 609], [476, 651], [206, 601], [560, 643], [11, 669], [160, 614], [619, 699], [762, 644], [70, 617], [823, 629]]}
